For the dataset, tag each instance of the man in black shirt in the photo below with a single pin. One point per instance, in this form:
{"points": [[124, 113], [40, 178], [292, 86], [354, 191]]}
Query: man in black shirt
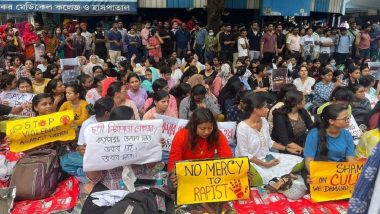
{"points": [[168, 36], [254, 38], [227, 42], [281, 41]]}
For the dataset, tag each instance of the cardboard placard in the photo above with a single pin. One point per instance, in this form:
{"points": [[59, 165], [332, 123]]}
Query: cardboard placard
{"points": [[30, 133], [333, 180], [212, 180], [121, 143], [279, 78]]}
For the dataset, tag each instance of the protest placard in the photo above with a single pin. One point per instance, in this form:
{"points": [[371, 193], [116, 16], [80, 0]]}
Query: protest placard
{"points": [[14, 98], [216, 180], [30, 133], [374, 69], [120, 143], [354, 129], [70, 70], [333, 180], [171, 126], [279, 78]]}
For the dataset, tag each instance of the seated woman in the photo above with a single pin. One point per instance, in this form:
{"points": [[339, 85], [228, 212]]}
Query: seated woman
{"points": [[340, 95], [361, 106], [200, 139], [304, 82], [254, 141], [198, 99], [280, 102], [159, 106], [118, 92], [162, 84], [330, 141], [260, 83], [323, 87], [291, 122], [107, 179], [368, 141]]}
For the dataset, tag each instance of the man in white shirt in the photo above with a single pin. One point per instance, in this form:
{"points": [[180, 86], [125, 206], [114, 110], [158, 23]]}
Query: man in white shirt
{"points": [[317, 32], [293, 44], [243, 44], [88, 37], [326, 44], [308, 45]]}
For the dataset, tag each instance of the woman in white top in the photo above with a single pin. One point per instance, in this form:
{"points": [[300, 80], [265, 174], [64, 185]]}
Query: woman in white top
{"points": [[254, 141], [304, 82]]}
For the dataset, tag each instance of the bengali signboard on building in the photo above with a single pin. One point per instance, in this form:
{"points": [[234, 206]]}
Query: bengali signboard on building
{"points": [[69, 6]]}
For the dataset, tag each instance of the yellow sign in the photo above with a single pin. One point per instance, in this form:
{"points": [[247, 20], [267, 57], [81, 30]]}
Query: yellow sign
{"points": [[32, 132], [332, 181], [212, 180]]}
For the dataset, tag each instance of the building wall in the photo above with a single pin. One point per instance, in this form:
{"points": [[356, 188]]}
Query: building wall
{"points": [[230, 4]]}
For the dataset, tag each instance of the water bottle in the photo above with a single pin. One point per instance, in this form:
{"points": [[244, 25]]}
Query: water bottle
{"points": [[263, 193], [160, 179]]}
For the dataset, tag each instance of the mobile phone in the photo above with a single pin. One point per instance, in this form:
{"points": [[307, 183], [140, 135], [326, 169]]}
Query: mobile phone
{"points": [[269, 158]]}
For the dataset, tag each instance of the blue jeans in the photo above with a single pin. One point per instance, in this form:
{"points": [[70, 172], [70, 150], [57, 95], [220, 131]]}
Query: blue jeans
{"points": [[364, 53]]}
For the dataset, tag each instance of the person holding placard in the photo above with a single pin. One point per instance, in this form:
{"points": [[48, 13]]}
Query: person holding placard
{"points": [[107, 179], [330, 141], [198, 140], [254, 141]]}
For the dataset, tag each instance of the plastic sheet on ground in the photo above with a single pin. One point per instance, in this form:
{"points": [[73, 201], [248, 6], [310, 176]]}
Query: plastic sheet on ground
{"points": [[64, 198], [276, 203]]}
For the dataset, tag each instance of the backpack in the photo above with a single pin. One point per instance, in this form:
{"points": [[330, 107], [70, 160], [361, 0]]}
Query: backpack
{"points": [[144, 202], [35, 176]]}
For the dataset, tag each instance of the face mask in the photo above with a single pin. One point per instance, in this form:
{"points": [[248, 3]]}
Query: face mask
{"points": [[333, 63], [211, 34]]}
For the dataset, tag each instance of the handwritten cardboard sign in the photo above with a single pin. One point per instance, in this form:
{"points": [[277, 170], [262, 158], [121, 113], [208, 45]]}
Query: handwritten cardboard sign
{"points": [[279, 78], [14, 98], [70, 70], [333, 180], [216, 180], [354, 129], [30, 133], [120, 143], [171, 126]]}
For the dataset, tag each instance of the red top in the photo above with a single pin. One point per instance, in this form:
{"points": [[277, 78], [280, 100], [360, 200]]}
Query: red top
{"points": [[181, 149]]}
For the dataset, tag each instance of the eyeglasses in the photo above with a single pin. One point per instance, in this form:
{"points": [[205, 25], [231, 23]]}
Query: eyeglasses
{"points": [[347, 119]]}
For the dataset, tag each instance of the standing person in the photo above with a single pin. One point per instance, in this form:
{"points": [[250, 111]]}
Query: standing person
{"points": [[254, 37], [99, 39], [326, 43], [227, 42], [352, 32], [317, 42], [363, 42], [144, 37], [308, 45], [121, 29], [268, 45], [243, 44], [211, 46], [51, 43], [281, 41], [168, 38], [114, 38], [182, 41], [133, 42], [199, 43], [88, 36], [30, 38], [293, 44], [62, 43], [154, 45], [77, 43], [343, 47]]}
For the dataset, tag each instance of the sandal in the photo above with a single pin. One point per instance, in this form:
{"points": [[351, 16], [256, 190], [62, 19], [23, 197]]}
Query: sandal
{"points": [[287, 182], [274, 185]]}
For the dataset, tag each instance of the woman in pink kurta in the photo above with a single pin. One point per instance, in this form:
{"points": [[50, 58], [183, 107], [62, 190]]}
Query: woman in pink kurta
{"points": [[154, 45]]}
